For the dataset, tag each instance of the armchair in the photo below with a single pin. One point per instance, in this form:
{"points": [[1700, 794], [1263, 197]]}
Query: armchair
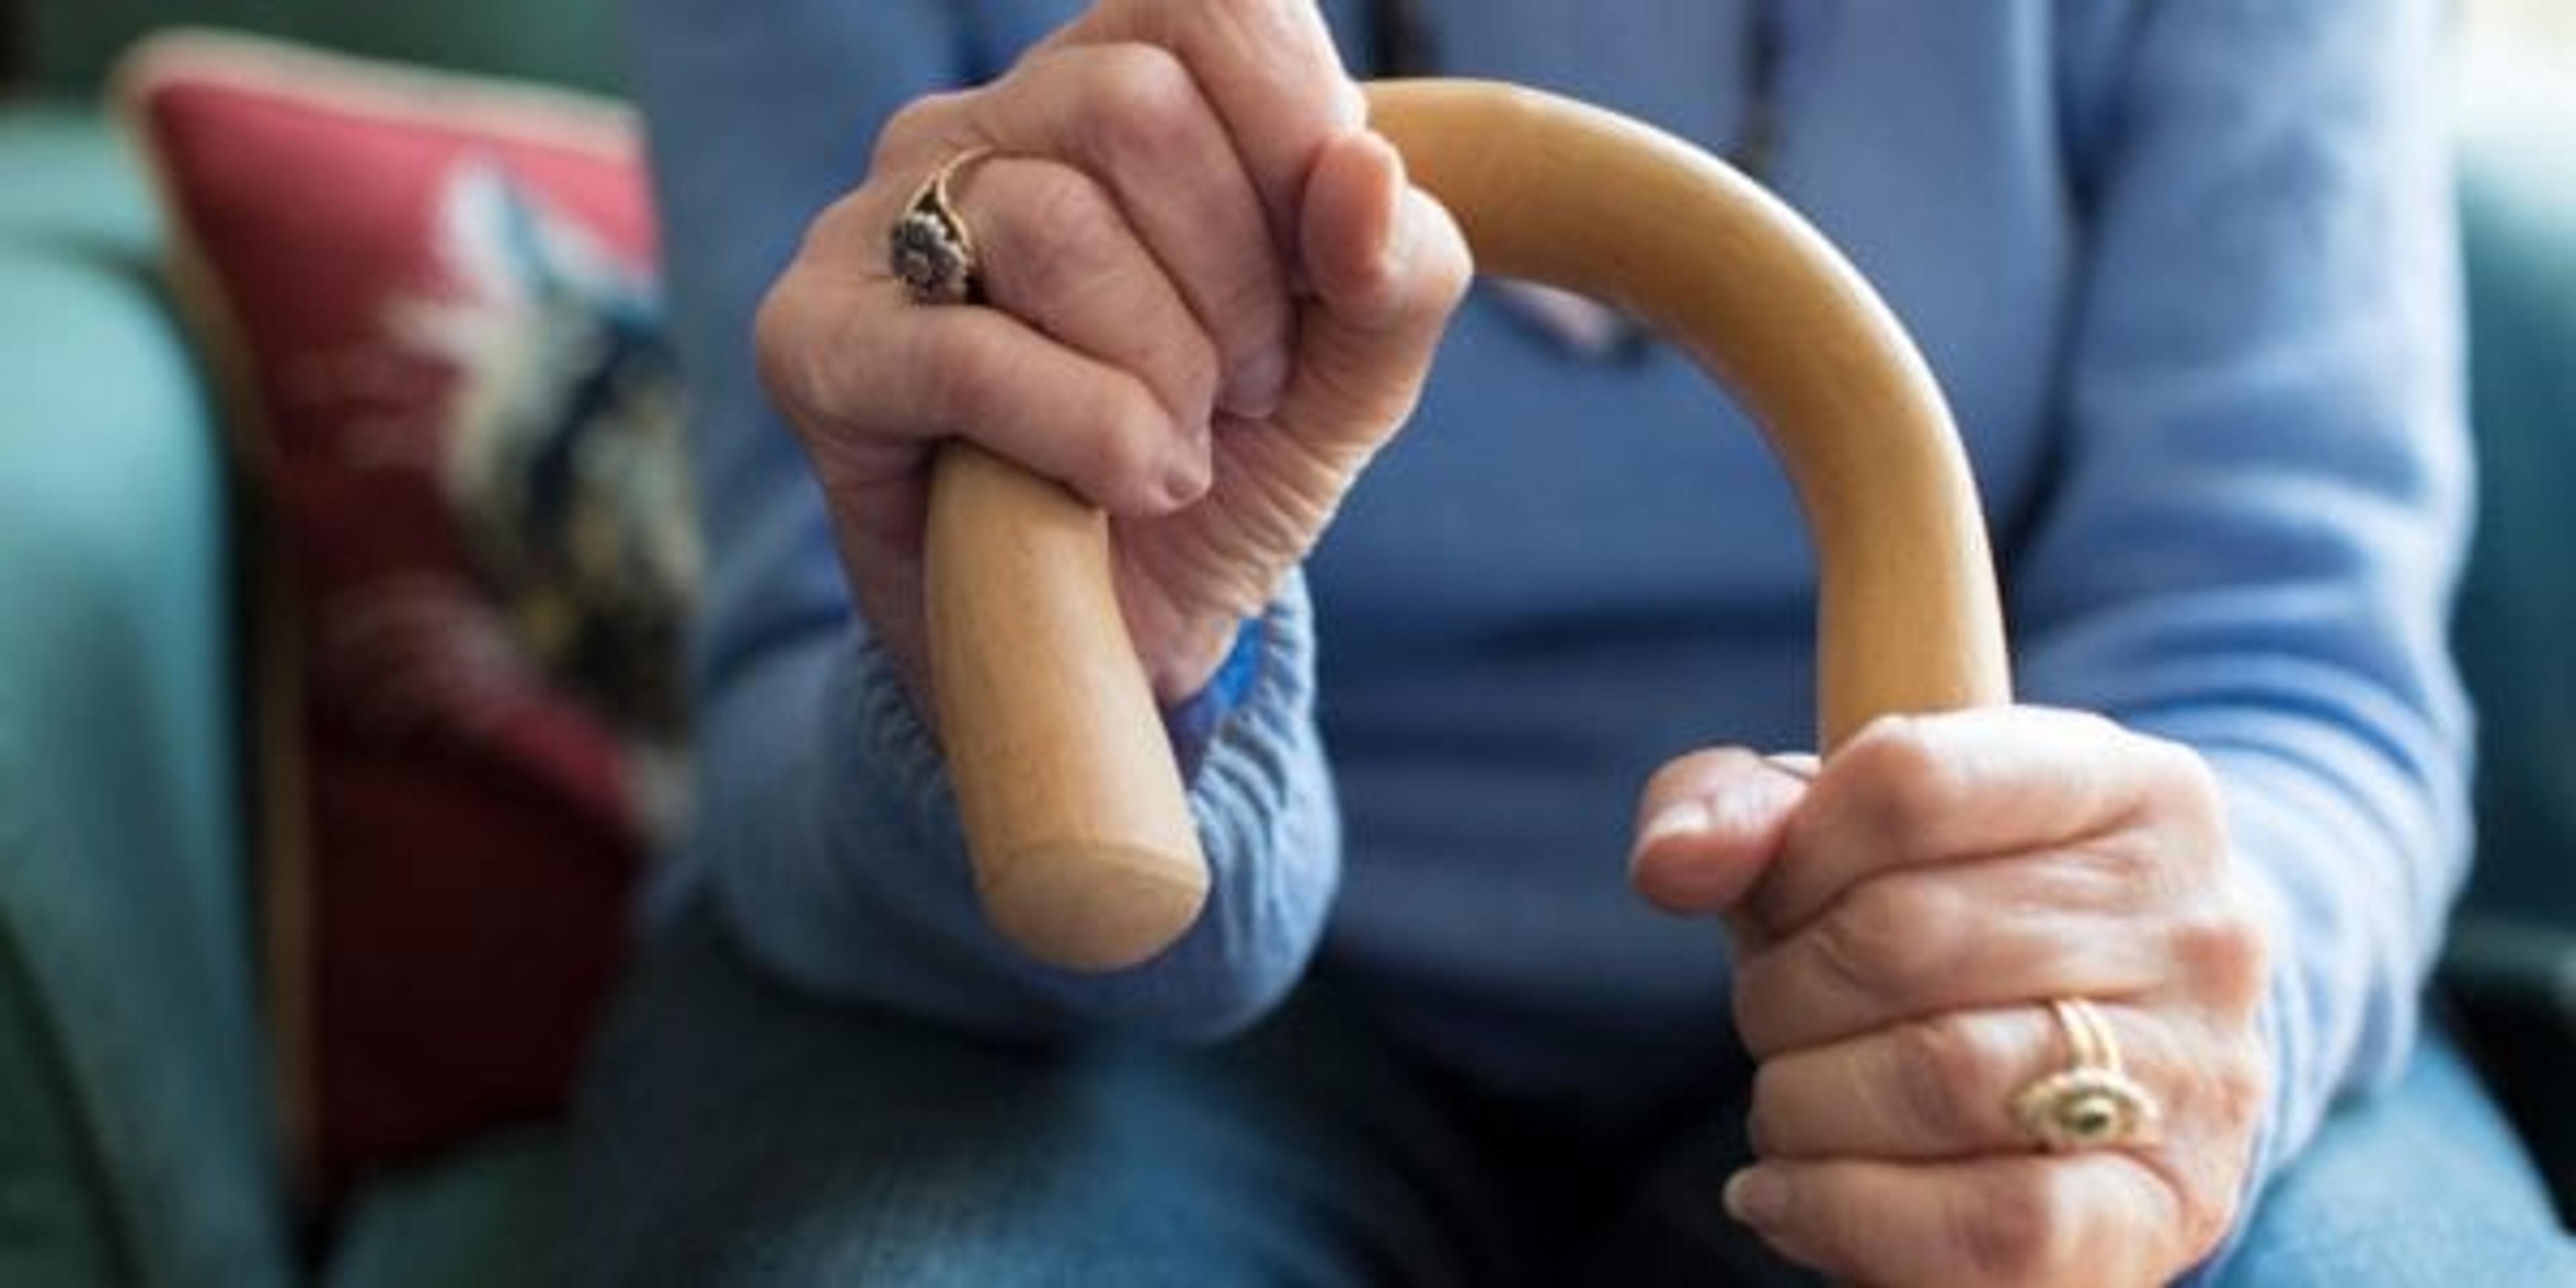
{"points": [[136, 1140]]}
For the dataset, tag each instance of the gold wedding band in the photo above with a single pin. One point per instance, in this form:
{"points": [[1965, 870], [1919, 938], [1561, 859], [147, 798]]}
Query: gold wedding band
{"points": [[2092, 1103], [930, 248]]}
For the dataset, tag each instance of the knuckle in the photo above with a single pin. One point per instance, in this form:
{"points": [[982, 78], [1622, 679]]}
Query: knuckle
{"points": [[2187, 789], [2236, 1085], [1140, 102], [1446, 266], [1755, 1016], [2203, 1197], [1771, 1098], [778, 347], [1887, 936], [1061, 226], [1257, 15], [2219, 1090], [1901, 784], [798, 368], [913, 124], [2244, 1084], [2226, 952], [2017, 1228], [1252, 310], [1195, 375], [2187, 772], [858, 218], [2088, 726], [960, 381], [1847, 954], [1130, 460], [1111, 451], [1913, 928], [1947, 1067], [2206, 1217]]}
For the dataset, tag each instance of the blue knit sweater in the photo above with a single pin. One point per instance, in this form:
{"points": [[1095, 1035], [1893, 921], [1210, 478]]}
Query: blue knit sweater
{"points": [[2185, 273]]}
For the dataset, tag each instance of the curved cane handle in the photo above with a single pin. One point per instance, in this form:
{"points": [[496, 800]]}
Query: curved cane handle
{"points": [[1084, 850]]}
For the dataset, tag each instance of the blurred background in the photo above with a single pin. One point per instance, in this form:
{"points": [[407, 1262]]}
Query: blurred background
{"points": [[2552, 19], [214, 1070]]}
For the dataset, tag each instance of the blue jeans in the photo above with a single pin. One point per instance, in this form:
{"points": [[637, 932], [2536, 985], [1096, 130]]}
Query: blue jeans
{"points": [[732, 1132]]}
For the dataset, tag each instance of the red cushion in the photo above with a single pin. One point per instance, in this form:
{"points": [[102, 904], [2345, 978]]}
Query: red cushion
{"points": [[458, 427]]}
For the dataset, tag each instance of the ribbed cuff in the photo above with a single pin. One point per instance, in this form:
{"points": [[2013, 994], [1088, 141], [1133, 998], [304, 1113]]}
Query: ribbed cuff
{"points": [[1194, 723]]}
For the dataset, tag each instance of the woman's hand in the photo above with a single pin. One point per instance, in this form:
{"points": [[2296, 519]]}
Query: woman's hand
{"points": [[1902, 920], [1210, 294]]}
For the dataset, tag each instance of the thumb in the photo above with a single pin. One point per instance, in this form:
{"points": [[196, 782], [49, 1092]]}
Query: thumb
{"points": [[1386, 266], [1709, 826]]}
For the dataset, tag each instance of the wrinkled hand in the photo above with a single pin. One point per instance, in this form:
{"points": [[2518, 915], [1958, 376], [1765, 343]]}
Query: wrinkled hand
{"points": [[1212, 295], [1900, 921]]}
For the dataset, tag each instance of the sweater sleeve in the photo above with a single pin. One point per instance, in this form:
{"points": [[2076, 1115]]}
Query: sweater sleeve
{"points": [[2263, 492], [823, 829]]}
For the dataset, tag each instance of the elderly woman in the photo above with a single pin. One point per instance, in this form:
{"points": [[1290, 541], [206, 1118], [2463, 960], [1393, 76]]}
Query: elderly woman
{"points": [[2183, 271]]}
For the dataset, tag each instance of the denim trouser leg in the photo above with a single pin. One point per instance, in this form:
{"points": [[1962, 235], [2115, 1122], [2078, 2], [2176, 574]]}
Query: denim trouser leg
{"points": [[734, 1133], [2425, 1185]]}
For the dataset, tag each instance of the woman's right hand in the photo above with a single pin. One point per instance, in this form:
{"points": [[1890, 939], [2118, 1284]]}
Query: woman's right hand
{"points": [[1209, 293]]}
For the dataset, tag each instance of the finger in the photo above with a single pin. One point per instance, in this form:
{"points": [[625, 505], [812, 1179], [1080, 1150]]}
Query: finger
{"points": [[1270, 69], [1708, 825], [1912, 791], [1057, 254], [1132, 117], [2094, 1218], [1388, 266], [870, 379], [1914, 944], [1944, 1087]]}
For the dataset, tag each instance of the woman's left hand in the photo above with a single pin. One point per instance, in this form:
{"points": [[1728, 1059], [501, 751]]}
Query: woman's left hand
{"points": [[1902, 921]]}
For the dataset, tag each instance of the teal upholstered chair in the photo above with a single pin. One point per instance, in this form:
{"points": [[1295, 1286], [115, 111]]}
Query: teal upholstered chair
{"points": [[136, 1132], [135, 1141], [2512, 961]]}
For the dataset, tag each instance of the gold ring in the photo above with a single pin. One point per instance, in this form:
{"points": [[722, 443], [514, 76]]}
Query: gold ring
{"points": [[930, 249], [2092, 1103]]}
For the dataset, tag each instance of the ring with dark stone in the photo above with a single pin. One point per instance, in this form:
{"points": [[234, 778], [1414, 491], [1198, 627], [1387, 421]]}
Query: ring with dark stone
{"points": [[929, 248]]}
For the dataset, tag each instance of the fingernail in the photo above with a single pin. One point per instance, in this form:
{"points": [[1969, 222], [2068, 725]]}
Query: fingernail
{"points": [[1187, 480], [1402, 227], [1757, 1196], [1257, 389], [1354, 104], [1687, 818]]}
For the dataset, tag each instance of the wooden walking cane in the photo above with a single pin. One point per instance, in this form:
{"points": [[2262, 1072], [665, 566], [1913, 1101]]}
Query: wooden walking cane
{"points": [[1084, 850]]}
